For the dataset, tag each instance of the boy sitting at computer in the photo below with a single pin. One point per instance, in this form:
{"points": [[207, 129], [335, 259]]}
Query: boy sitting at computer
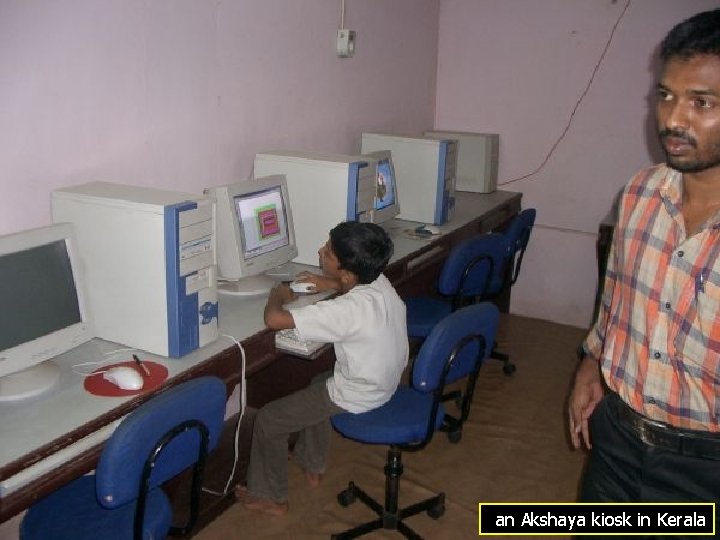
{"points": [[366, 324]]}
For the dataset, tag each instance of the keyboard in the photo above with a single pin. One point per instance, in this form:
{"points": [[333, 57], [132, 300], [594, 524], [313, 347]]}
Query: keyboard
{"points": [[289, 341]]}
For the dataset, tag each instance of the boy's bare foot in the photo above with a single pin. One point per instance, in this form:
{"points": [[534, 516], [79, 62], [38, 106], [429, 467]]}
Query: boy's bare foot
{"points": [[313, 479], [259, 504]]}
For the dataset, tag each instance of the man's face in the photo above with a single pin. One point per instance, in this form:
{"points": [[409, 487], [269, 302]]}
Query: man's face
{"points": [[688, 113]]}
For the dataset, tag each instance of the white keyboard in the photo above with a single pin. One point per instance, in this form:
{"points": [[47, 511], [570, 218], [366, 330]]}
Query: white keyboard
{"points": [[288, 340]]}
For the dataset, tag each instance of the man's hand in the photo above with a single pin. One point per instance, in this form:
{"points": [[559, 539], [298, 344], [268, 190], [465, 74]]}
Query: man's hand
{"points": [[584, 397]]}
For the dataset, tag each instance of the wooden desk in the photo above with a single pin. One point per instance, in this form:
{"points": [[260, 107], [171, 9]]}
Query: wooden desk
{"points": [[269, 374]]}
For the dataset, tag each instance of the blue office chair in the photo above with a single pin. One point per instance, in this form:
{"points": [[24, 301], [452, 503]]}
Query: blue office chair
{"points": [[517, 237], [454, 349], [123, 499], [478, 269], [473, 270]]}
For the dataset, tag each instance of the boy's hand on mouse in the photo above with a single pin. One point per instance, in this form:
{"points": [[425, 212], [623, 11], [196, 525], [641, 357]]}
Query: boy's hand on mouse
{"points": [[322, 283]]}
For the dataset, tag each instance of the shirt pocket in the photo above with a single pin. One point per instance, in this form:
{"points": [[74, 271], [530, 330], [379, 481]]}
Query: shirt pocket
{"points": [[700, 333]]}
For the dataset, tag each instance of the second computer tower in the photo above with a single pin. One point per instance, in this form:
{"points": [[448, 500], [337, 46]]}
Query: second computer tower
{"points": [[325, 189], [425, 174]]}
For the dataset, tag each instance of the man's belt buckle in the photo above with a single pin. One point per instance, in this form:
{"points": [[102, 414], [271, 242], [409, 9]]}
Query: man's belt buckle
{"points": [[654, 433]]}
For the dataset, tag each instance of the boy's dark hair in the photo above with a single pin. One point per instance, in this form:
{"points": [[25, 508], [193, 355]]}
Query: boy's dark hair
{"points": [[361, 248], [700, 34]]}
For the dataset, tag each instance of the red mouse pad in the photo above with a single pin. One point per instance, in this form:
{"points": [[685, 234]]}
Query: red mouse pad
{"points": [[97, 385]]}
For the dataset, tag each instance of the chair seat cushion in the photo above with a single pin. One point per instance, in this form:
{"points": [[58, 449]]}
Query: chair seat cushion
{"points": [[402, 420], [73, 513], [423, 313]]}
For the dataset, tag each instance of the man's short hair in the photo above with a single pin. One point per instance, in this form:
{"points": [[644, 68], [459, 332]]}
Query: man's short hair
{"points": [[698, 35], [361, 248]]}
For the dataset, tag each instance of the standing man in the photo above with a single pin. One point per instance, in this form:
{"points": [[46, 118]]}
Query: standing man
{"points": [[646, 397]]}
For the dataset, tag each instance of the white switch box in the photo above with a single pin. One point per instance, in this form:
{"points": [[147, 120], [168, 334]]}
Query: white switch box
{"points": [[345, 43]]}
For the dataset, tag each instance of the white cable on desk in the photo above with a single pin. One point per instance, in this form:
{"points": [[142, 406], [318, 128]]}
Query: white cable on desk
{"points": [[98, 362], [243, 401]]}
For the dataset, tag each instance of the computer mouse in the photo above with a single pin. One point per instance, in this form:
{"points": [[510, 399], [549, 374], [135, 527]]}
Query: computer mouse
{"points": [[302, 287], [124, 377], [427, 230]]}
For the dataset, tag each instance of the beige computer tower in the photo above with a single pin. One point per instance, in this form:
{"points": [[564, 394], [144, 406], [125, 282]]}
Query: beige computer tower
{"points": [[477, 159], [325, 189], [149, 261], [424, 174]]}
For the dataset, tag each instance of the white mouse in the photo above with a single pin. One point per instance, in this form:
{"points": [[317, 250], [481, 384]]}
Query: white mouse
{"points": [[302, 287], [124, 377]]}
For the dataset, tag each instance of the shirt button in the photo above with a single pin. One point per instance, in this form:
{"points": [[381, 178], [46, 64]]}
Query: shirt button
{"points": [[651, 401], [657, 355], [667, 305], [681, 253]]}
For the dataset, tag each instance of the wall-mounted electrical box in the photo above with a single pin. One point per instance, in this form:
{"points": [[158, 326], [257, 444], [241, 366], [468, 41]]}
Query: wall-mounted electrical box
{"points": [[345, 43]]}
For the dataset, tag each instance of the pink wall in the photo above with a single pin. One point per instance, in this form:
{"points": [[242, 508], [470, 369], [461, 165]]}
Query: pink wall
{"points": [[181, 94], [517, 68]]}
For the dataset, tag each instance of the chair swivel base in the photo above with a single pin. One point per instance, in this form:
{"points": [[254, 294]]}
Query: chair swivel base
{"points": [[508, 367], [434, 506], [451, 424], [453, 427]]}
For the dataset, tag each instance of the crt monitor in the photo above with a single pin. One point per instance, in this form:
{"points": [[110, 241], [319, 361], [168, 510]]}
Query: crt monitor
{"points": [[45, 312], [386, 205], [255, 233]]}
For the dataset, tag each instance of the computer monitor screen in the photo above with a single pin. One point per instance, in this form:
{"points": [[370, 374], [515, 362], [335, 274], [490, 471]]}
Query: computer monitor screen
{"points": [[385, 206], [263, 223], [255, 233], [385, 185], [45, 314]]}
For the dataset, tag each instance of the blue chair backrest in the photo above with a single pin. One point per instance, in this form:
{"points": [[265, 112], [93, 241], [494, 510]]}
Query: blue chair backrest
{"points": [[518, 235], [475, 320], [486, 253], [123, 458]]}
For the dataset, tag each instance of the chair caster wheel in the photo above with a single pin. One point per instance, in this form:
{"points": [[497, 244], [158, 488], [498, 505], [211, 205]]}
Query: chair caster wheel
{"points": [[346, 497], [436, 511], [454, 436], [509, 369]]}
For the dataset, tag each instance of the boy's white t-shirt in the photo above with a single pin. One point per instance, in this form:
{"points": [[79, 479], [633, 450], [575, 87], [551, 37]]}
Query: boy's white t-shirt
{"points": [[368, 329]]}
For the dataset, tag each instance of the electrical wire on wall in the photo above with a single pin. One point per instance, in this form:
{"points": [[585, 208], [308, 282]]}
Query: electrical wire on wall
{"points": [[577, 103]]}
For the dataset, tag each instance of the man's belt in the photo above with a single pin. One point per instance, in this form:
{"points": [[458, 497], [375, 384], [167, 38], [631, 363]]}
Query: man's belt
{"points": [[685, 442]]}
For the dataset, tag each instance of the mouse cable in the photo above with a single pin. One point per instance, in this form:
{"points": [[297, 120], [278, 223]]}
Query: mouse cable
{"points": [[76, 367], [241, 414]]}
